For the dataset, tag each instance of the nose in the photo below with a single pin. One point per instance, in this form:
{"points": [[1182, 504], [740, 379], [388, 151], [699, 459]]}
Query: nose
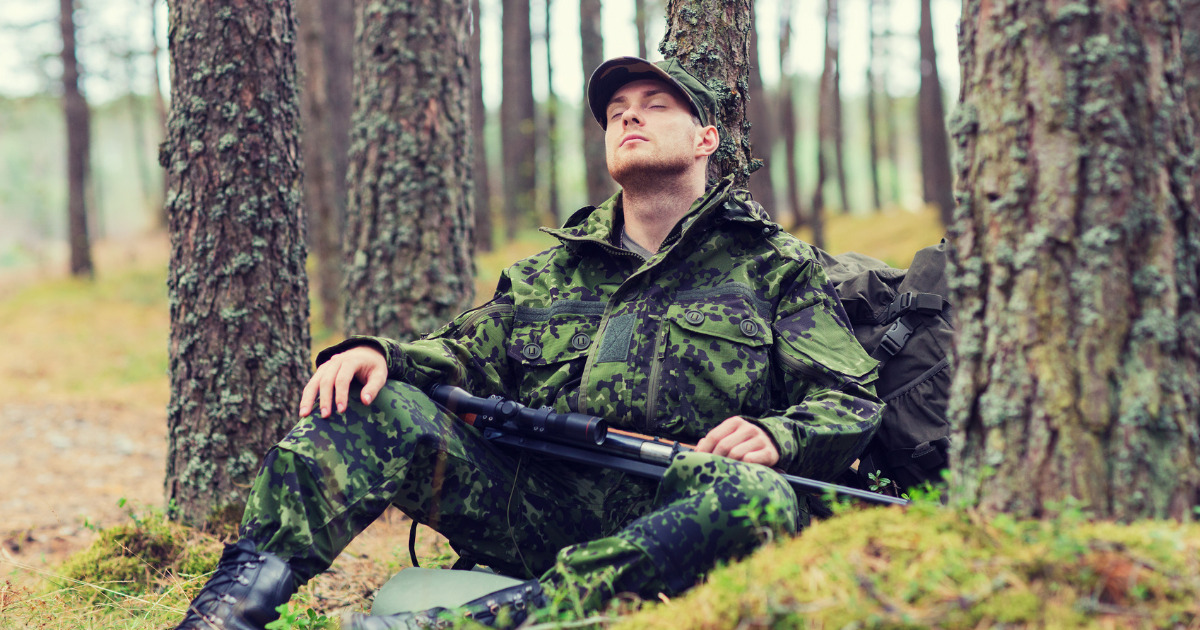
{"points": [[630, 116]]}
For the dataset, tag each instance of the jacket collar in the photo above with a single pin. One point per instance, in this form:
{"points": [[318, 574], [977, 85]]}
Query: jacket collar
{"points": [[720, 202]]}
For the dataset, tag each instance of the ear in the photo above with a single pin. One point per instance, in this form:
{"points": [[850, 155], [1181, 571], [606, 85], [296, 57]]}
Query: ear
{"points": [[707, 141]]}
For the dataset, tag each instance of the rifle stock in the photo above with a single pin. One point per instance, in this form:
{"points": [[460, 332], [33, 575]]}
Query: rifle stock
{"points": [[588, 439]]}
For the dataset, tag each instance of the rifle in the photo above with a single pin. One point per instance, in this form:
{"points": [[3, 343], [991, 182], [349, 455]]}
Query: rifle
{"points": [[587, 439]]}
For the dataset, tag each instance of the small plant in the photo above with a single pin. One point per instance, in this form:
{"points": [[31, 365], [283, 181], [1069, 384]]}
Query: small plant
{"points": [[292, 618]]}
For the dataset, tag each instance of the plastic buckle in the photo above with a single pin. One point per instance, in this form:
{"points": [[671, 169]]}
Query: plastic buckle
{"points": [[895, 338]]}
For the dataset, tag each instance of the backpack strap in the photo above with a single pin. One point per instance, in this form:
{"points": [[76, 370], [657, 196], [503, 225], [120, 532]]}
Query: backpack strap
{"points": [[902, 310], [926, 303]]}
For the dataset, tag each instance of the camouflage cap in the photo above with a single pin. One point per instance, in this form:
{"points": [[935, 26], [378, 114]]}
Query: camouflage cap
{"points": [[616, 72]]}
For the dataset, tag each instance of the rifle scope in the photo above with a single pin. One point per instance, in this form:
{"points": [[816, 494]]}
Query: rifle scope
{"points": [[494, 412]]}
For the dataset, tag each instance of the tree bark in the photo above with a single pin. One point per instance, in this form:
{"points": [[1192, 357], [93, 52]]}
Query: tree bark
{"points": [[239, 345], [711, 39], [762, 132], [1077, 253], [599, 185], [639, 20], [935, 145], [481, 174], [787, 117], [826, 125], [872, 115], [323, 197], [517, 124], [1191, 69], [837, 140], [408, 261], [551, 132], [75, 108]]}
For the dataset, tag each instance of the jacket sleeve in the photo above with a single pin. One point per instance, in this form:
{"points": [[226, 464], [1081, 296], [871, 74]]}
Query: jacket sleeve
{"points": [[468, 352], [825, 380]]}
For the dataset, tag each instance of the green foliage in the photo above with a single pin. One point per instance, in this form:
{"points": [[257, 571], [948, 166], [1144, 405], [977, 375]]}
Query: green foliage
{"points": [[143, 556], [292, 617]]}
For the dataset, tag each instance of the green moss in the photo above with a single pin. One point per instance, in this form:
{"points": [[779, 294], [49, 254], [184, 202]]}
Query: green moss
{"points": [[143, 556], [937, 567]]}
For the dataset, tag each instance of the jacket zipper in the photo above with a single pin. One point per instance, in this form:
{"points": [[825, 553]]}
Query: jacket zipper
{"points": [[655, 374]]}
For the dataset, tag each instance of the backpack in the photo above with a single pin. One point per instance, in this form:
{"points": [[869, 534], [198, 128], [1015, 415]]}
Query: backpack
{"points": [[902, 319]]}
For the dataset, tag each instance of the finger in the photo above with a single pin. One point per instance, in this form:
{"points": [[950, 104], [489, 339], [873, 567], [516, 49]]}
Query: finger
{"points": [[375, 381], [736, 438], [341, 386], [326, 386], [307, 396], [709, 442]]}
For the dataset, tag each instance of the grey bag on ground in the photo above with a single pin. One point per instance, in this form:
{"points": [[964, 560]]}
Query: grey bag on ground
{"points": [[902, 318]]}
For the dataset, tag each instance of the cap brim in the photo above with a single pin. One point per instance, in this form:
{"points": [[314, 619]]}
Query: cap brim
{"points": [[616, 72]]}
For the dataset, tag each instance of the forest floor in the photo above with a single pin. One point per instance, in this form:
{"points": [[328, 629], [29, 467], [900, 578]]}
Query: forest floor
{"points": [[84, 384]]}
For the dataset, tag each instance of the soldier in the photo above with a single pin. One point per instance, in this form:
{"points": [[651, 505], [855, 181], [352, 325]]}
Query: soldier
{"points": [[673, 308]]}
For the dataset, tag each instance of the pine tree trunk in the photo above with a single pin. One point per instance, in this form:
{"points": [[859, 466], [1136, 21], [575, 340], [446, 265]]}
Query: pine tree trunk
{"points": [[599, 185], [517, 124], [935, 145], [239, 346], [1078, 248], [787, 117], [480, 174], [839, 134], [551, 134], [639, 20], [872, 115], [320, 193], [75, 108], [711, 38], [762, 133], [408, 239], [1191, 69]]}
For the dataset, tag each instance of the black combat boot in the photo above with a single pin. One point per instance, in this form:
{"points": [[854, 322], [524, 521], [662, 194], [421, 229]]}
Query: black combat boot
{"points": [[517, 600], [244, 592]]}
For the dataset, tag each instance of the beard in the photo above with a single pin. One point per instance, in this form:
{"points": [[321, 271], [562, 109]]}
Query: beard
{"points": [[634, 170]]}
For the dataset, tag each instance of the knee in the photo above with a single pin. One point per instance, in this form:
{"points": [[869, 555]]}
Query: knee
{"points": [[750, 493]]}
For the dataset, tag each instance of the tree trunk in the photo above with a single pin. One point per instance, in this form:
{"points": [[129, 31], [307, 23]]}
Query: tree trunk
{"points": [[762, 132], [1078, 245], [872, 116], [599, 185], [160, 105], [321, 192], [517, 125], [935, 147], [408, 237], [838, 140], [787, 116], [551, 133], [890, 126], [639, 19], [826, 130], [239, 345], [480, 174], [1191, 69], [79, 133], [711, 39]]}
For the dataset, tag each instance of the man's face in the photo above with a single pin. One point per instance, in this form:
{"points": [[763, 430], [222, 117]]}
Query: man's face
{"points": [[651, 132]]}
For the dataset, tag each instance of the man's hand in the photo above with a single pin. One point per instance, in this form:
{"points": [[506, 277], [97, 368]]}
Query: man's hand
{"points": [[740, 439], [331, 382]]}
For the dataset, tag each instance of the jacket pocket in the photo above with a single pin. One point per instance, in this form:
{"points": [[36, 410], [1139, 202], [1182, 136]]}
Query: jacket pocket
{"points": [[550, 356], [714, 364]]}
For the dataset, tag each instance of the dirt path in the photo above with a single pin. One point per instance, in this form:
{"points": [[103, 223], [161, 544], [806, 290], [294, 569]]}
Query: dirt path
{"points": [[66, 466]]}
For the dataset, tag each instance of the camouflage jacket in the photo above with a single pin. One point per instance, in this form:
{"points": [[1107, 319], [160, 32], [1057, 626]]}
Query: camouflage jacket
{"points": [[730, 317]]}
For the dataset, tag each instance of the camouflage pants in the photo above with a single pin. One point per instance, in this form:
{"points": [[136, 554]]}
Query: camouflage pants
{"points": [[596, 529]]}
